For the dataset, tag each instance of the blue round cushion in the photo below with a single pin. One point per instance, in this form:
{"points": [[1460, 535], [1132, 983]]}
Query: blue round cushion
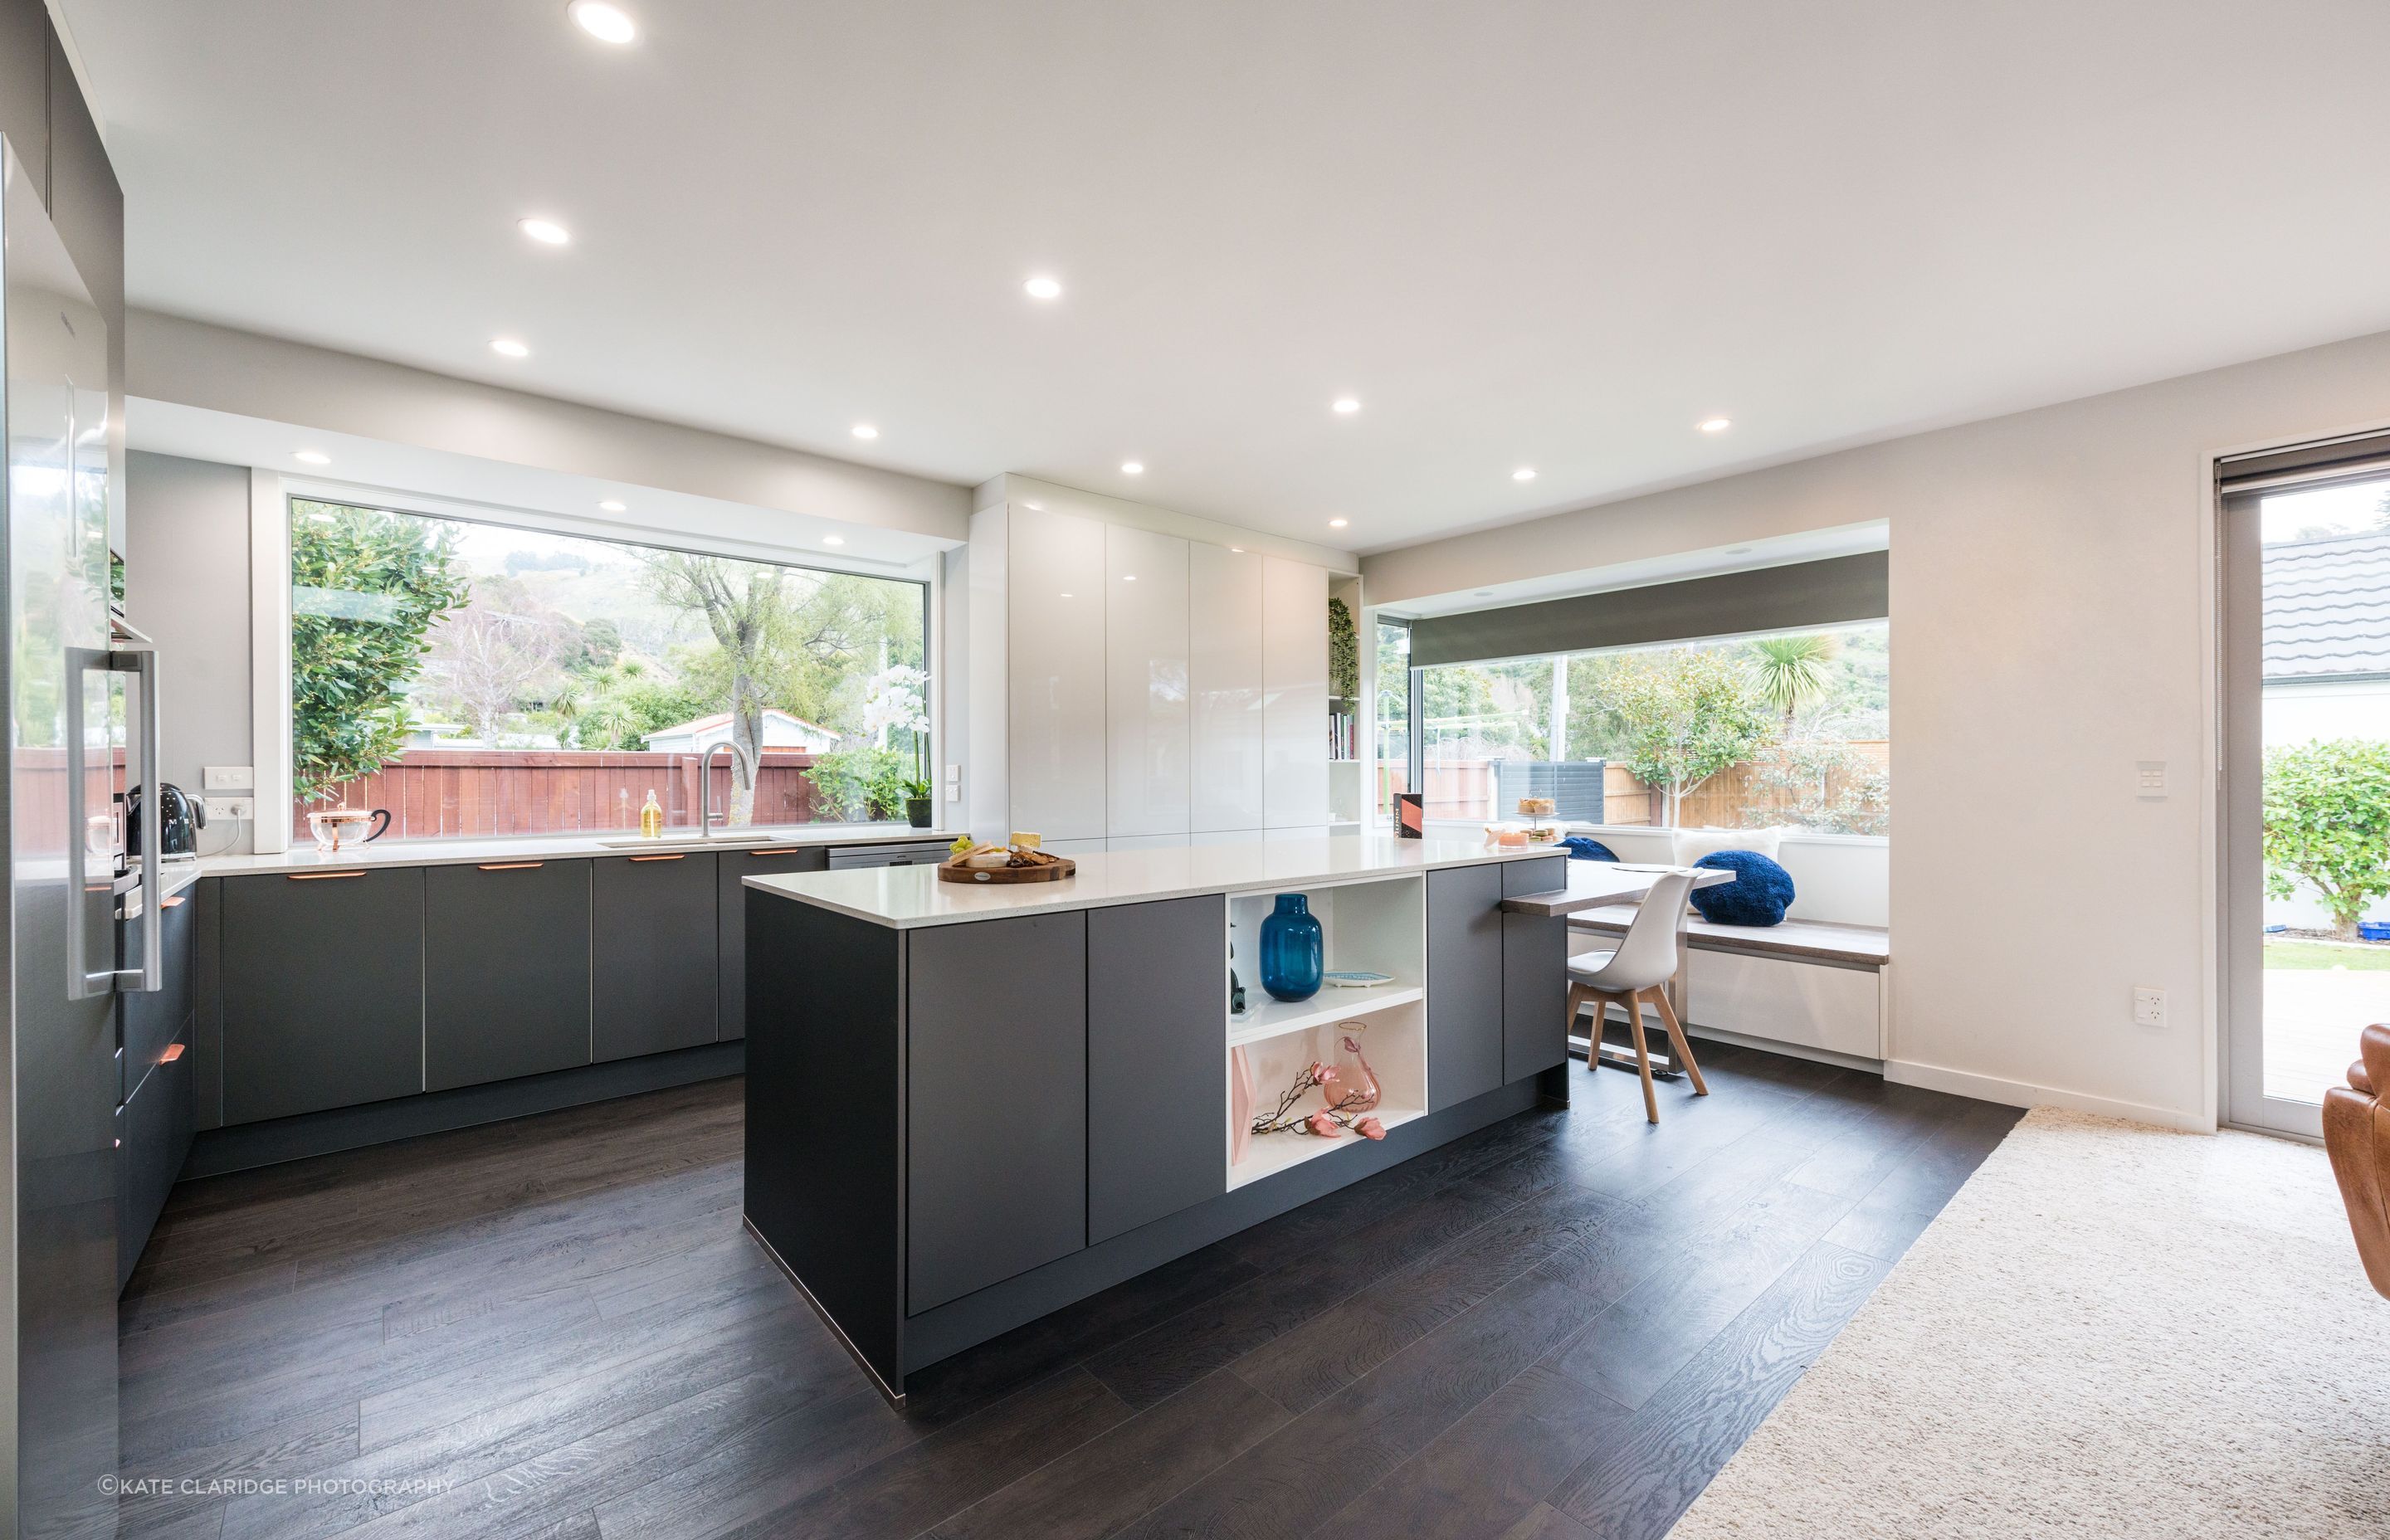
{"points": [[1759, 894], [1582, 849]]}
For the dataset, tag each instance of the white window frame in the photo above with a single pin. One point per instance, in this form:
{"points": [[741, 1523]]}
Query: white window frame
{"points": [[270, 494]]}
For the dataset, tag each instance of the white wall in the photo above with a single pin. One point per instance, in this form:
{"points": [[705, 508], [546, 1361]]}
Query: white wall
{"points": [[2051, 624], [191, 364], [187, 586]]}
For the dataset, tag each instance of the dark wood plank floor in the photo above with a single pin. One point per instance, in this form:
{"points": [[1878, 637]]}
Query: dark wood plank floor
{"points": [[1559, 1327]]}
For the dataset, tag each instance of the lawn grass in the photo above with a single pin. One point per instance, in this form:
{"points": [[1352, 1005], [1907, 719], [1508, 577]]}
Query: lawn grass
{"points": [[2365, 957]]}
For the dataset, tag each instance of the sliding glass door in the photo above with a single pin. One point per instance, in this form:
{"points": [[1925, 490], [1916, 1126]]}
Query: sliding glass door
{"points": [[2307, 814]]}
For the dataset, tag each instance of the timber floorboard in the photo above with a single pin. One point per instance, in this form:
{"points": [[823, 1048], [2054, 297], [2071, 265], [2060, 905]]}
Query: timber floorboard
{"points": [[1558, 1327]]}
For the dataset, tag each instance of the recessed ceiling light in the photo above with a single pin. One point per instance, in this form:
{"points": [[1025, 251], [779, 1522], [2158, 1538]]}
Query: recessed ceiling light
{"points": [[865, 430], [1035, 507], [1043, 289], [833, 540], [1716, 425], [1337, 523], [605, 23], [1485, 593], [612, 505], [1524, 473], [1345, 406], [311, 457], [1131, 578], [510, 348], [1132, 468], [1066, 596], [1238, 549], [547, 232]]}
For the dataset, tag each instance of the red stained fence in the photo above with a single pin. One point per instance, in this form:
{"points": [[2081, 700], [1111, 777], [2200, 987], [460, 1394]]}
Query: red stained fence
{"points": [[436, 792]]}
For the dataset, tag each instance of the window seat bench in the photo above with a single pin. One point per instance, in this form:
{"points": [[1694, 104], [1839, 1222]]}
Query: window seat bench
{"points": [[1810, 987]]}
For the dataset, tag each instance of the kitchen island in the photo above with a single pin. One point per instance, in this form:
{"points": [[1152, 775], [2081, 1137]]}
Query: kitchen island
{"points": [[969, 1106]]}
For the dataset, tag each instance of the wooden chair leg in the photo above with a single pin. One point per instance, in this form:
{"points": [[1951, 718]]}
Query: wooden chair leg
{"points": [[1642, 1054], [1676, 1037]]}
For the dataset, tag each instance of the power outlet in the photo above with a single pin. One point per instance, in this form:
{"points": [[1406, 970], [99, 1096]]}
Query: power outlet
{"points": [[2149, 1006], [229, 807], [227, 777]]}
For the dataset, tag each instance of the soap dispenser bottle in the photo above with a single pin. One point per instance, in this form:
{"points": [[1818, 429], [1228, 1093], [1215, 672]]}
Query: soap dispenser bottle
{"points": [[652, 818]]}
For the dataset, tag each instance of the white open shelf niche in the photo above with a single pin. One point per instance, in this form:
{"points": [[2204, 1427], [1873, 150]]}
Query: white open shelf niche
{"points": [[1376, 925]]}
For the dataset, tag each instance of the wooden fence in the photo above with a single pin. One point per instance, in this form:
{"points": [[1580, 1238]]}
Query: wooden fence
{"points": [[1732, 799], [435, 792]]}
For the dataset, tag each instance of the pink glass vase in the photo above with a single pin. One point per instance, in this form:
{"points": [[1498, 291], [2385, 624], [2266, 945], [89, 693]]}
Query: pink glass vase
{"points": [[1354, 1089]]}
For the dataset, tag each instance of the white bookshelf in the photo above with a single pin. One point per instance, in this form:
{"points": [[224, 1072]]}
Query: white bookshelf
{"points": [[1378, 925]]}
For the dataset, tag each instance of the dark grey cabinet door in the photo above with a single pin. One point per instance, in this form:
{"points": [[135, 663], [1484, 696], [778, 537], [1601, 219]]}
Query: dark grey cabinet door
{"points": [[506, 971], [1464, 984], [1534, 973], [149, 1021], [153, 1133], [1157, 1081], [656, 975], [322, 990], [736, 866], [997, 1114]]}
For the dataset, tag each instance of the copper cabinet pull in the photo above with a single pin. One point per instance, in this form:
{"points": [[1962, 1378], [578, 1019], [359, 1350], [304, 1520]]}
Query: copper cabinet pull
{"points": [[512, 866], [169, 903], [683, 855], [318, 876], [173, 1052]]}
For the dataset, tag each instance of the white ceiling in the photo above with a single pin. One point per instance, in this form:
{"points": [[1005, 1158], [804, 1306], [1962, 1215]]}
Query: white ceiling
{"points": [[1554, 235]]}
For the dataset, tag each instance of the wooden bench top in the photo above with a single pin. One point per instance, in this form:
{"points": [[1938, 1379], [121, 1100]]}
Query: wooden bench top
{"points": [[1865, 945]]}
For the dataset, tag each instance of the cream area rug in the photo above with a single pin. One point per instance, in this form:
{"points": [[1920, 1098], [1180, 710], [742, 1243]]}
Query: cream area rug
{"points": [[2111, 1330]]}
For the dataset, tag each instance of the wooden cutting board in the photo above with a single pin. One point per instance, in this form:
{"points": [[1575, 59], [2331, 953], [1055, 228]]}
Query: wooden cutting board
{"points": [[991, 876]]}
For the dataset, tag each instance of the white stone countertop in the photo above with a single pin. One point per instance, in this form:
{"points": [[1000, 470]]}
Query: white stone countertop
{"points": [[304, 857], [905, 897]]}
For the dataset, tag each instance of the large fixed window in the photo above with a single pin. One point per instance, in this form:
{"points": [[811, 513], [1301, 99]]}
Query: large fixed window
{"points": [[474, 679], [1791, 730]]}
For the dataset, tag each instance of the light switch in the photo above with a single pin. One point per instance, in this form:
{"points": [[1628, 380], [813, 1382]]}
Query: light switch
{"points": [[2149, 1006], [2149, 779], [227, 777]]}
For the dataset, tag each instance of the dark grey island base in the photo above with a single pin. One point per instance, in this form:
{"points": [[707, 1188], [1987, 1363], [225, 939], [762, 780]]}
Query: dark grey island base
{"points": [[959, 1121]]}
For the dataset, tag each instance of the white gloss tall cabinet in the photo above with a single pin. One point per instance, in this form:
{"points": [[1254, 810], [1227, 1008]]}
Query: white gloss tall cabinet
{"points": [[1131, 687]]}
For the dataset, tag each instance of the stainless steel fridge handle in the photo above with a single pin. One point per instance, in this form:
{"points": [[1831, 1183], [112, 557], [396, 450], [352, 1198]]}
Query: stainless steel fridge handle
{"points": [[150, 977], [82, 983]]}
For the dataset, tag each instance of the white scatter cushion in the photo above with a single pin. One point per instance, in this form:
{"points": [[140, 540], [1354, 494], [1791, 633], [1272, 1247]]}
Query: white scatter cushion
{"points": [[1691, 844]]}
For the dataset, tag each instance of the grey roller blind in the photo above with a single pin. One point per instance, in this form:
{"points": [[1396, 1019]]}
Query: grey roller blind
{"points": [[1837, 591], [2357, 456]]}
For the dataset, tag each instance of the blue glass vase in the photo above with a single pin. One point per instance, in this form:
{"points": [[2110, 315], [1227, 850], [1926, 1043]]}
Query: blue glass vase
{"points": [[1292, 950]]}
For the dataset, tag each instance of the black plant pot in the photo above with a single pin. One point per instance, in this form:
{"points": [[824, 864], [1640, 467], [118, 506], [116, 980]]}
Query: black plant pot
{"points": [[917, 812]]}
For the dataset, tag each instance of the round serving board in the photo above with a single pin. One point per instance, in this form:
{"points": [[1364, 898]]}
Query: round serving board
{"points": [[1064, 867]]}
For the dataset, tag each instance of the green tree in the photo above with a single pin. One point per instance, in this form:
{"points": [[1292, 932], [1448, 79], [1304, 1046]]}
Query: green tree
{"points": [[744, 604], [2327, 811], [1793, 672], [1682, 716], [366, 587]]}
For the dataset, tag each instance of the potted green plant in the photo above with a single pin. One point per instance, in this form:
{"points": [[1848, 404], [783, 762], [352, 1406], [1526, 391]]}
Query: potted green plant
{"points": [[917, 802]]}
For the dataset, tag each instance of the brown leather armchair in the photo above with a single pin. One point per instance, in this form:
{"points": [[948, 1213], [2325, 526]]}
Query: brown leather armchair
{"points": [[2357, 1137]]}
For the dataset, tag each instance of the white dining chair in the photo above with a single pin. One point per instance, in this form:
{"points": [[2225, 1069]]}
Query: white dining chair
{"points": [[1640, 968]]}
